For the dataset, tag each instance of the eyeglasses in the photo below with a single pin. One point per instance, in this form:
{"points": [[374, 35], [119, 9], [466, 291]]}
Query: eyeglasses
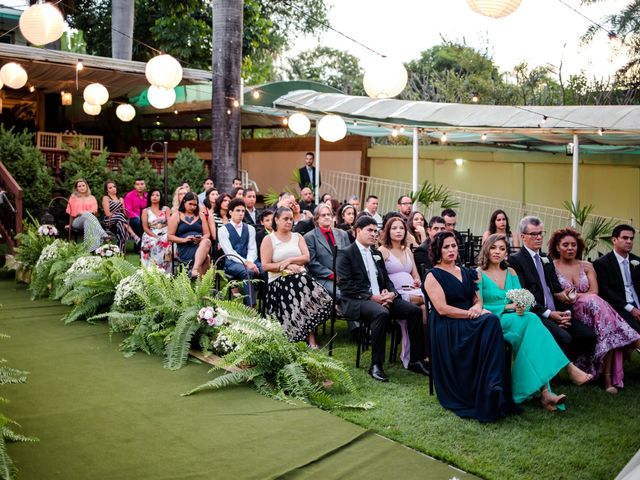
{"points": [[406, 203], [536, 234]]}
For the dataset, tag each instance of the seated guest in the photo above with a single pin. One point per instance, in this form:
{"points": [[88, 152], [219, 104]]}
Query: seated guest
{"points": [[371, 207], [188, 229], [580, 289], [326, 198], [354, 201], [265, 221], [236, 183], [450, 222], [421, 254], [238, 240], [208, 208], [536, 274], [467, 346], [251, 213], [134, 202], [416, 231], [368, 295], [237, 193], [335, 206], [178, 195], [619, 276], [155, 248], [499, 223], [297, 213], [537, 356], [115, 217], [404, 207], [389, 216], [221, 211], [208, 183], [286, 200], [346, 220], [82, 209], [293, 297], [402, 271], [306, 199]]}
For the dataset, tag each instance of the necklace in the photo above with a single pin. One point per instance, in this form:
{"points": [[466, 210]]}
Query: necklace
{"points": [[188, 218]]}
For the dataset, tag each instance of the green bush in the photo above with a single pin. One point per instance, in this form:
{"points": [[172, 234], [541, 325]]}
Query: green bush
{"points": [[187, 167], [135, 166], [25, 163], [82, 163]]}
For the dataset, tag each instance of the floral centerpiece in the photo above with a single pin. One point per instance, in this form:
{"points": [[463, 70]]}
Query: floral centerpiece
{"points": [[82, 265], [127, 296], [107, 250], [213, 318], [50, 252], [521, 297], [48, 230]]}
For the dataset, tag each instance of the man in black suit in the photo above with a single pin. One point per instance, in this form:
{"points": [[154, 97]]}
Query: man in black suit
{"points": [[421, 254], [619, 276], [450, 222], [306, 200], [368, 295], [537, 274], [251, 214], [308, 172]]}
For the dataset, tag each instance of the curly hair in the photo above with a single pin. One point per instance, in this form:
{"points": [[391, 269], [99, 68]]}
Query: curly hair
{"points": [[435, 247], [552, 247]]}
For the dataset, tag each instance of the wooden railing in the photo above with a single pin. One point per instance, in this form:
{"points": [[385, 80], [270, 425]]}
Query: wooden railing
{"points": [[10, 207]]}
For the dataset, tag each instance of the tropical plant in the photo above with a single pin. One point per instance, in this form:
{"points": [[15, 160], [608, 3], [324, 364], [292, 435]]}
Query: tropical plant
{"points": [[594, 229], [9, 375], [187, 167], [50, 268], [83, 163], [30, 243], [430, 193]]}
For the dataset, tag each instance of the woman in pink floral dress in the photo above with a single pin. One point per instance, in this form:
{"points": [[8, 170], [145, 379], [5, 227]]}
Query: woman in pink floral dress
{"points": [[580, 288]]}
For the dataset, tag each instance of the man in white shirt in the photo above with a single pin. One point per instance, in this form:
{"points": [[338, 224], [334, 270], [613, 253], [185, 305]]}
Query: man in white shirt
{"points": [[238, 240], [208, 183], [371, 207], [619, 276]]}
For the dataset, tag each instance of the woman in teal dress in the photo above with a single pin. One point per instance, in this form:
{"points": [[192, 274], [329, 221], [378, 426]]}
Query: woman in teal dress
{"points": [[537, 356]]}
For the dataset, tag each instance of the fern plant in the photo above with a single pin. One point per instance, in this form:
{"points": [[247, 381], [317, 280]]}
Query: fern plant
{"points": [[30, 243], [54, 261]]}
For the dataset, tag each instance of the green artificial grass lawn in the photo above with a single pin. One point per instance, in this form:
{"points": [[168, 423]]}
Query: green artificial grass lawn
{"points": [[593, 439]]}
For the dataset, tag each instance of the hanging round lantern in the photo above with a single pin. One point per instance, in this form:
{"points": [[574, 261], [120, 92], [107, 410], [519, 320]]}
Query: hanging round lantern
{"points": [[125, 112], [385, 78], [95, 94], [41, 24], [91, 109], [13, 75], [299, 124], [494, 8], [161, 98], [332, 128], [163, 71]]}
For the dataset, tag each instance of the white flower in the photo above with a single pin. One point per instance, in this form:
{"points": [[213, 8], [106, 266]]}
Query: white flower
{"points": [[126, 296], [377, 258], [545, 260], [208, 314], [521, 297], [635, 263], [82, 265]]}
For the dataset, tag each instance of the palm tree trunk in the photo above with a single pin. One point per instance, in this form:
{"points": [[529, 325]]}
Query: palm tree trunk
{"points": [[226, 68], [122, 12]]}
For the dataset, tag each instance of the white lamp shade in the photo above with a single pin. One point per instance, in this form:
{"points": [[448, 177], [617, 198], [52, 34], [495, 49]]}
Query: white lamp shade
{"points": [[332, 128], [494, 8], [41, 24], [385, 78], [125, 112], [161, 98], [299, 124], [90, 109], [13, 75], [95, 94], [163, 71]]}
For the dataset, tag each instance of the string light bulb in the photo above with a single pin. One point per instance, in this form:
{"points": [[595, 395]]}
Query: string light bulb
{"points": [[600, 131], [32, 88], [475, 98], [483, 137], [79, 66], [235, 104], [401, 130], [443, 137], [285, 121], [544, 120], [255, 94], [394, 132]]}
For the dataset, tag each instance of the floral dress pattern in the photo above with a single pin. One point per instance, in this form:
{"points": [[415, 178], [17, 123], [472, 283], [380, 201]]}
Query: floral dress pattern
{"points": [[156, 250]]}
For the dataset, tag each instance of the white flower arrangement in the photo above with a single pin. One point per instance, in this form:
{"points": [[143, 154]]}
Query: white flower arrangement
{"points": [[521, 297], [107, 250], [50, 252], [47, 230], [213, 318], [222, 345], [126, 296], [635, 263], [85, 264]]}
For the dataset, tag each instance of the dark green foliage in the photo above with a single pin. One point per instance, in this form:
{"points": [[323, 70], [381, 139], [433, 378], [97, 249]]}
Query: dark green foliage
{"points": [[82, 163], [30, 243], [50, 272], [187, 167], [329, 66], [26, 165], [135, 166]]}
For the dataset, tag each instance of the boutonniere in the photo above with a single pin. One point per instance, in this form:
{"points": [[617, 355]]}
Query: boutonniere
{"points": [[635, 263], [545, 260], [377, 258]]}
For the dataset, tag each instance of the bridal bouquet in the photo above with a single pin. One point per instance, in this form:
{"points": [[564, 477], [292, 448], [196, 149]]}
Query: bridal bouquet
{"points": [[521, 297], [47, 230], [107, 250], [212, 317]]}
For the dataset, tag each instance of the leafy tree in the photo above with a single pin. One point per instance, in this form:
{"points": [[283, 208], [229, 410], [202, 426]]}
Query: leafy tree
{"points": [[330, 66], [187, 167], [82, 163], [25, 163], [135, 166]]}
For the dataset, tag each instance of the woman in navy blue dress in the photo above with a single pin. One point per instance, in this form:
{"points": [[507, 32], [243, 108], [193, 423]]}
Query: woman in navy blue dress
{"points": [[467, 345]]}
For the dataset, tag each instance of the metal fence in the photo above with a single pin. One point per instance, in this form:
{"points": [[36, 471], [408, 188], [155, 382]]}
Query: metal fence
{"points": [[473, 211]]}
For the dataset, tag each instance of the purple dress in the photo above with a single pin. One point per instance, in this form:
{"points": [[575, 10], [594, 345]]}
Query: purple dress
{"points": [[400, 274], [612, 331]]}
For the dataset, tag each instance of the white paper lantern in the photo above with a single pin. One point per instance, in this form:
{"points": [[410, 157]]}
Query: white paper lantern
{"points": [[299, 123], [95, 94], [161, 98], [41, 24], [494, 8], [332, 128], [13, 75], [385, 78], [163, 71], [90, 109], [125, 112]]}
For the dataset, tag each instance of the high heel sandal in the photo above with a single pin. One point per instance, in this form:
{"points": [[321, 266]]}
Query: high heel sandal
{"points": [[587, 377], [610, 389]]}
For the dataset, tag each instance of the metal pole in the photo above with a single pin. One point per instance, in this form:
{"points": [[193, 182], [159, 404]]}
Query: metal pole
{"points": [[316, 178], [574, 176], [414, 174], [165, 170]]}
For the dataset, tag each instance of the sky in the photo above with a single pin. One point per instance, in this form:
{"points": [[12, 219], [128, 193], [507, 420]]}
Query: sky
{"points": [[540, 32]]}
